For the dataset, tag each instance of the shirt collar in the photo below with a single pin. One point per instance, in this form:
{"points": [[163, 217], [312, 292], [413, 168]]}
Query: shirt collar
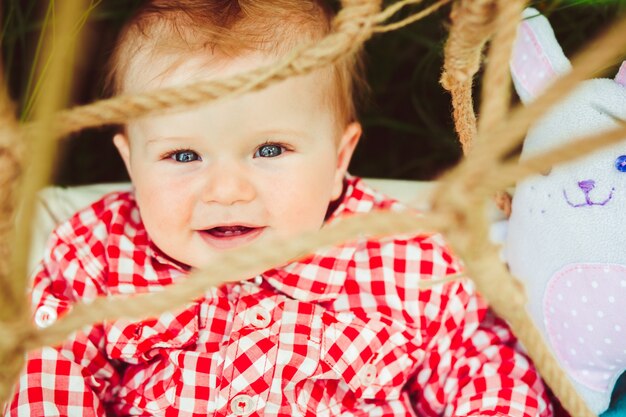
{"points": [[157, 255]]}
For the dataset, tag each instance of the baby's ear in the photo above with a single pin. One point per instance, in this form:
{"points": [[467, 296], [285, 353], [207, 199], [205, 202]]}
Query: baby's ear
{"points": [[347, 143], [537, 58], [620, 78], [122, 144]]}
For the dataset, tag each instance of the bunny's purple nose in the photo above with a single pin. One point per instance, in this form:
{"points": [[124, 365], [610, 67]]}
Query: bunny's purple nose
{"points": [[587, 185]]}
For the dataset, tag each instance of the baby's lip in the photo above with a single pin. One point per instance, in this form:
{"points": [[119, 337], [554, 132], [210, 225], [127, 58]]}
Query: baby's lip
{"points": [[229, 231], [230, 226], [230, 236]]}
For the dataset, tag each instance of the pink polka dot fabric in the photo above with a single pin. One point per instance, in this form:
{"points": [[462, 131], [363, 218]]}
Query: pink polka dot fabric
{"points": [[586, 321]]}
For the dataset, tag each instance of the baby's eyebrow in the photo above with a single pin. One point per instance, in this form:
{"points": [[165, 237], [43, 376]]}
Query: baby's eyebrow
{"points": [[161, 142], [160, 139], [285, 131]]}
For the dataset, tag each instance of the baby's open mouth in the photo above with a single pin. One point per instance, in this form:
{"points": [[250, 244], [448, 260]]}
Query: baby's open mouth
{"points": [[231, 236], [229, 231]]}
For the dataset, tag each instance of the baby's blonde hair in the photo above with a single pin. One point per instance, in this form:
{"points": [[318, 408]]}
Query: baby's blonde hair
{"points": [[231, 28]]}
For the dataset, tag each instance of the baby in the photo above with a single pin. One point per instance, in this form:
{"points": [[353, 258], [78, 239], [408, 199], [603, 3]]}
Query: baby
{"points": [[346, 331]]}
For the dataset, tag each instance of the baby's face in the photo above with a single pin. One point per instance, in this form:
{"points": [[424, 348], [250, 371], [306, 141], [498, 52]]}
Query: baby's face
{"points": [[240, 170]]}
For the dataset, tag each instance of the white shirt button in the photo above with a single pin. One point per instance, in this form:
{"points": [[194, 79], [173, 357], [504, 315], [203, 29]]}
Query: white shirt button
{"points": [[367, 375], [259, 317], [242, 405], [45, 316], [258, 280]]}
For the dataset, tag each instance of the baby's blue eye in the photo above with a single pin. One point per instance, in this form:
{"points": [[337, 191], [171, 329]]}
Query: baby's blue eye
{"points": [[185, 156], [268, 151], [620, 163]]}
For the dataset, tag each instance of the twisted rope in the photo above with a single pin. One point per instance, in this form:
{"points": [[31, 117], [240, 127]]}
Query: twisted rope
{"points": [[14, 305], [495, 104], [497, 78], [472, 24], [413, 18], [458, 203], [11, 148], [11, 166], [458, 74]]}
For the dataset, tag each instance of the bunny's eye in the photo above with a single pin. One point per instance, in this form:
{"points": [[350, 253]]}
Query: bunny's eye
{"points": [[620, 163]]}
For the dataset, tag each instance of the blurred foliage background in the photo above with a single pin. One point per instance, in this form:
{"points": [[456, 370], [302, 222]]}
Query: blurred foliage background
{"points": [[408, 131]]}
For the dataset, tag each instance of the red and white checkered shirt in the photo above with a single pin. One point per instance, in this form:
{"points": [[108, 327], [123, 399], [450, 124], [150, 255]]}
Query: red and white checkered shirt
{"points": [[347, 332]]}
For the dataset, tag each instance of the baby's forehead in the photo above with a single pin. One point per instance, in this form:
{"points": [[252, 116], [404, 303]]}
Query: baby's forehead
{"points": [[153, 70], [312, 91]]}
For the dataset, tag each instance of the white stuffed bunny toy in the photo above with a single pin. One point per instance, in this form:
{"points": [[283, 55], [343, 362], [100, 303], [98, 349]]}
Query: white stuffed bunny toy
{"points": [[566, 236]]}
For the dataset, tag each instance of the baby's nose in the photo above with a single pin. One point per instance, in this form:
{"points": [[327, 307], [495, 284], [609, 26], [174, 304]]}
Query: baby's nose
{"points": [[587, 185], [227, 184]]}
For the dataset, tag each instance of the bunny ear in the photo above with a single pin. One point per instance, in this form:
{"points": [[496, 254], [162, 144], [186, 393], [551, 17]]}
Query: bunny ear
{"points": [[620, 78], [537, 58]]}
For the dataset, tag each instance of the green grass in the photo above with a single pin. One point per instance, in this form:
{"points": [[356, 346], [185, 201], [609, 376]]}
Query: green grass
{"points": [[408, 127]]}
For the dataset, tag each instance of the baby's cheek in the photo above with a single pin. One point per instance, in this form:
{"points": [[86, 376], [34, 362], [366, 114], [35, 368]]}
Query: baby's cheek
{"points": [[165, 207], [297, 222], [300, 205]]}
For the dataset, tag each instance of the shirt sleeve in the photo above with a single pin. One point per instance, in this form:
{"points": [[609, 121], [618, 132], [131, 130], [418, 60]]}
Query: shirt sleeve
{"points": [[473, 364], [75, 378]]}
